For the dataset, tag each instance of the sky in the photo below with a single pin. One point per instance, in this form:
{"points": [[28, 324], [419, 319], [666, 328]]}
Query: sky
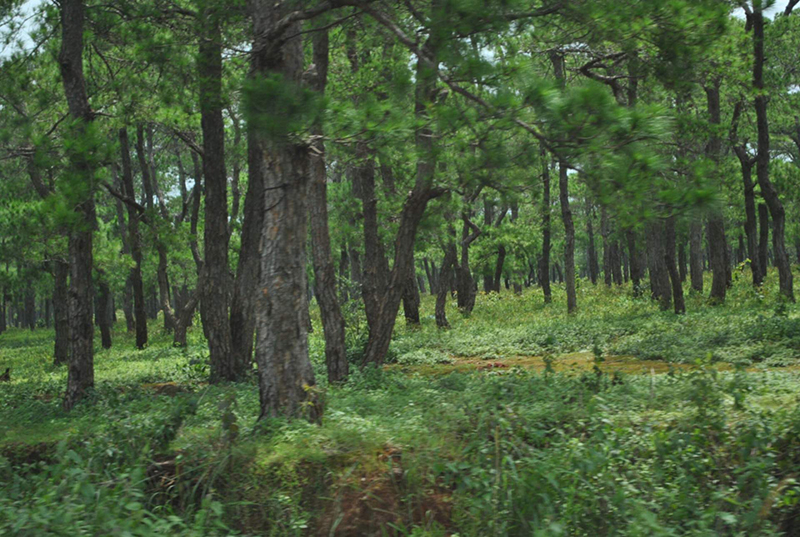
{"points": [[29, 6]]}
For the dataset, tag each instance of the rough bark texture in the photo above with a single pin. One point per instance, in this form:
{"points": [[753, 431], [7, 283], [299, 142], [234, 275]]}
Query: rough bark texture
{"points": [[324, 273], [81, 362], [411, 299], [102, 313], [286, 378], [672, 269], [656, 255], [768, 191], [134, 242], [696, 255], [214, 301]]}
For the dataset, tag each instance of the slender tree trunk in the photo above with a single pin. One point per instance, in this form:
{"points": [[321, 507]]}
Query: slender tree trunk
{"points": [[616, 263], [61, 312], [102, 314], [135, 243], [696, 255], [682, 261], [214, 301], [81, 362], [591, 253], [448, 263], [716, 225], [544, 261], [413, 210], [608, 271], [466, 284], [669, 259], [635, 262], [324, 273], [768, 191], [498, 268], [763, 239]]}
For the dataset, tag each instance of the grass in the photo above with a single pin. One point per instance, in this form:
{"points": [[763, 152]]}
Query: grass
{"points": [[519, 420]]}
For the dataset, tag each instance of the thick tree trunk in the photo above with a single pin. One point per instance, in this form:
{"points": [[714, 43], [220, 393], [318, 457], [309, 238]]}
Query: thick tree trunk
{"points": [[324, 273], [286, 378], [61, 312], [214, 301], [768, 191], [656, 255], [81, 363], [669, 260]]}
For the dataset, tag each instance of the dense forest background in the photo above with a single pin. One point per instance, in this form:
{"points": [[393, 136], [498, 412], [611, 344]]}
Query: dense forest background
{"points": [[256, 188]]}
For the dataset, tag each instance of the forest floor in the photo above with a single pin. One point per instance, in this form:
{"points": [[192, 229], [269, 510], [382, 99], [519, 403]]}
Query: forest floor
{"points": [[518, 420]]}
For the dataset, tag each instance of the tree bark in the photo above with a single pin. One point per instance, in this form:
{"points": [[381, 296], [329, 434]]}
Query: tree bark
{"points": [[669, 260], [135, 243], [413, 210], [81, 362], [102, 314], [716, 225], [286, 378], [635, 262], [591, 253], [466, 284], [656, 255], [60, 311], [324, 273], [448, 263], [214, 301], [696, 255], [768, 191], [544, 260]]}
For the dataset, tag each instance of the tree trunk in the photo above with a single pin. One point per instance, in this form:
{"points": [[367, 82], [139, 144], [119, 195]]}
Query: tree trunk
{"points": [[716, 225], [81, 362], [214, 301], [102, 315], [466, 284], [768, 191], [324, 273], [608, 272], [616, 262], [656, 255], [696, 255], [544, 261], [763, 239], [591, 253], [566, 214], [60, 311], [498, 268], [669, 259], [635, 262], [135, 244], [286, 378], [448, 263], [413, 210], [682, 261]]}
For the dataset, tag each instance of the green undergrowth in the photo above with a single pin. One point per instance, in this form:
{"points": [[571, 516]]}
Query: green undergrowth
{"points": [[696, 451]]}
